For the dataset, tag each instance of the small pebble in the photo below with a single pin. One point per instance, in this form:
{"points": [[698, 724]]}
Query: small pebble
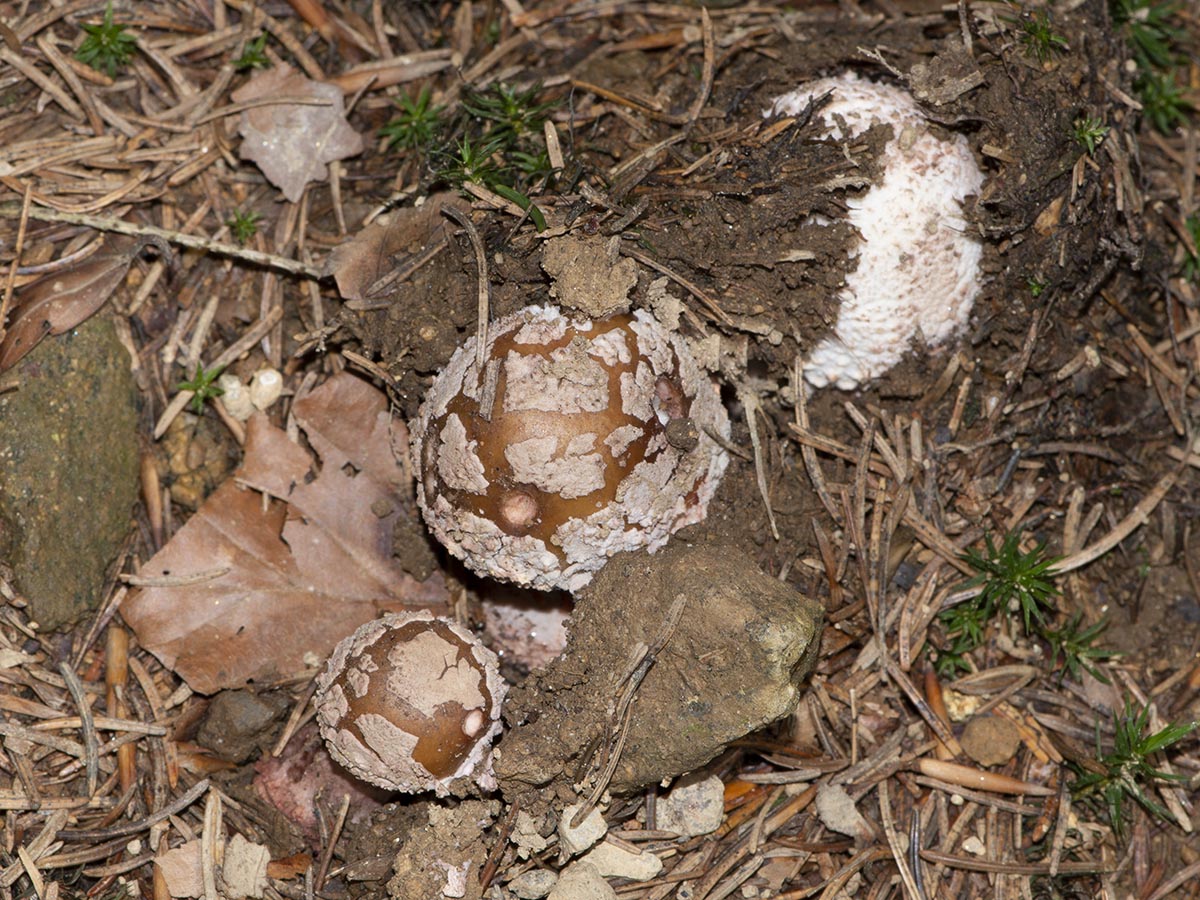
{"points": [[990, 740], [533, 885], [265, 388], [692, 808], [612, 861], [581, 881], [574, 840]]}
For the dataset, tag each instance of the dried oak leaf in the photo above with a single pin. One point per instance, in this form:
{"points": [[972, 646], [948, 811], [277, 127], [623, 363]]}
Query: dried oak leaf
{"points": [[279, 579], [60, 301], [368, 265], [292, 141]]}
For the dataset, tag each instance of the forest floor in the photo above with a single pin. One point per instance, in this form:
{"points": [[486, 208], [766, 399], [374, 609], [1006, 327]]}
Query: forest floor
{"points": [[1004, 530]]}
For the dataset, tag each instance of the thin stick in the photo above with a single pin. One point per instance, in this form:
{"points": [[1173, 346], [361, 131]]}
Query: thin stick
{"points": [[91, 746], [1134, 520], [190, 241], [182, 802], [482, 271], [753, 410], [11, 280], [1011, 868]]}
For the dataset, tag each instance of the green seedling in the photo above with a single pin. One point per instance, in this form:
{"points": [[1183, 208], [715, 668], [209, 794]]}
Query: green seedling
{"points": [[510, 114], [107, 47], [1126, 772], [1036, 286], [1077, 648], [1009, 577], [253, 55], [417, 125], [243, 225], [1088, 134], [1148, 26], [1163, 100], [1038, 36], [1012, 582], [471, 162], [203, 387]]}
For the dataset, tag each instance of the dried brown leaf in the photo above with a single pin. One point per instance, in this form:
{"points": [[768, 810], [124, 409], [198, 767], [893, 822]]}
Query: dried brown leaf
{"points": [[304, 569], [64, 299], [365, 260], [292, 142]]}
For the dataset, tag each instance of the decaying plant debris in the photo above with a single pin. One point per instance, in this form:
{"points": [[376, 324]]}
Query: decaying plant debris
{"points": [[1002, 534]]}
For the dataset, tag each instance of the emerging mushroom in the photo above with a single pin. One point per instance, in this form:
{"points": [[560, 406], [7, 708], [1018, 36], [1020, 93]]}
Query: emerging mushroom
{"points": [[918, 268], [574, 440], [411, 703]]}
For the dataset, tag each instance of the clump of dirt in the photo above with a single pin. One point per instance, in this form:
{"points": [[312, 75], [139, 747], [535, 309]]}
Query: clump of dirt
{"points": [[729, 660], [444, 854]]}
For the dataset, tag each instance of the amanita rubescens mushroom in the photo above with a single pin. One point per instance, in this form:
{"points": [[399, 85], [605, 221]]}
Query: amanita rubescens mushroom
{"points": [[411, 703], [574, 440], [917, 271]]}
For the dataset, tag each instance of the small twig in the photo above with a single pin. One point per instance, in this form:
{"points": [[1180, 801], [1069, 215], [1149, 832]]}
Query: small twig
{"points": [[176, 580], [210, 836], [176, 806], [334, 834], [695, 290], [893, 839], [91, 746], [11, 281], [753, 409], [481, 270], [190, 241], [973, 864], [1136, 517], [492, 864]]}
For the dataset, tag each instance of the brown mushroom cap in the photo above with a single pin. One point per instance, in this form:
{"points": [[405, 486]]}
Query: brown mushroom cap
{"points": [[410, 702], [554, 454]]}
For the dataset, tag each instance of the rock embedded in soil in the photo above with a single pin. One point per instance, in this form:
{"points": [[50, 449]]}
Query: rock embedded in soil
{"points": [[734, 663], [533, 885], [692, 807], [68, 470], [237, 723], [582, 881]]}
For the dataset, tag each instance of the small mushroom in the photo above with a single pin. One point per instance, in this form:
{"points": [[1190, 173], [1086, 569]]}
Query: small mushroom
{"points": [[557, 451], [411, 702], [918, 267]]}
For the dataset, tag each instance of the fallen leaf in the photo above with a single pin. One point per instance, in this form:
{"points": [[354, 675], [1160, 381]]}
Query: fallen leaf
{"points": [[61, 301], [278, 582], [291, 142], [244, 869], [361, 266], [181, 869]]}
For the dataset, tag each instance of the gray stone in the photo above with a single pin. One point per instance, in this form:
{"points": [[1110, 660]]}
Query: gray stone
{"points": [[534, 884], [693, 807]]}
